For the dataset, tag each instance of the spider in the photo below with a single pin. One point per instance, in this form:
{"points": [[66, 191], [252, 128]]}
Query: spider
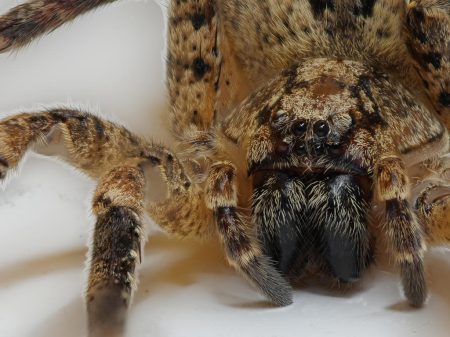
{"points": [[305, 131]]}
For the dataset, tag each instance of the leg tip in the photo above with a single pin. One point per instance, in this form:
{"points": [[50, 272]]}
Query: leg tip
{"points": [[416, 298], [282, 298], [414, 284], [106, 308], [280, 292], [271, 283]]}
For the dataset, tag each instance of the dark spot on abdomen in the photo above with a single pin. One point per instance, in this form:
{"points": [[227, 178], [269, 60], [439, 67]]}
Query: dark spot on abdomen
{"points": [[198, 20], [200, 68]]}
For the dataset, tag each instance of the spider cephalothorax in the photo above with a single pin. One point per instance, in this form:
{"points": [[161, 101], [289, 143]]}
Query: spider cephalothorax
{"points": [[311, 195], [320, 136], [293, 120]]}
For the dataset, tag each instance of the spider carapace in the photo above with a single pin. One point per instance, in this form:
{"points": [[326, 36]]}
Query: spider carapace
{"points": [[294, 122]]}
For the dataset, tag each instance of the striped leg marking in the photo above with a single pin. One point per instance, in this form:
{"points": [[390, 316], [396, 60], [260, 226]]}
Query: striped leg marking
{"points": [[242, 249]]}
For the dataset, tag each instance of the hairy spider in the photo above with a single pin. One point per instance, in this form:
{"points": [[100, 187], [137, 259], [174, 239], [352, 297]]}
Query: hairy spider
{"points": [[294, 120]]}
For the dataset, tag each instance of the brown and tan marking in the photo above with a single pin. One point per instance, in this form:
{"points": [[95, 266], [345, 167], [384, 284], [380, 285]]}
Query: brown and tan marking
{"points": [[428, 31], [311, 109]]}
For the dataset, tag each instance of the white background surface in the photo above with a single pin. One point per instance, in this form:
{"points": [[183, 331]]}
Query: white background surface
{"points": [[111, 61]]}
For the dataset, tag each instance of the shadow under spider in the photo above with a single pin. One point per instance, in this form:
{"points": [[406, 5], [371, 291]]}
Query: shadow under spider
{"points": [[188, 262]]}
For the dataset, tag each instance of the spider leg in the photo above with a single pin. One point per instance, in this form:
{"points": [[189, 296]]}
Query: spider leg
{"points": [[402, 228], [87, 142], [242, 248], [432, 206], [203, 78], [29, 20], [119, 206], [120, 160], [193, 64], [428, 39], [96, 146], [116, 249], [91, 144]]}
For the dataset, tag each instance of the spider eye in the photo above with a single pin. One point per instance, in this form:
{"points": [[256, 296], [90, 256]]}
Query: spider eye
{"points": [[299, 128], [300, 148], [319, 148], [321, 129]]}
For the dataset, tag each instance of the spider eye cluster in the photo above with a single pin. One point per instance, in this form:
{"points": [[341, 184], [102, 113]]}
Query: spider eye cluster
{"points": [[320, 128], [307, 136]]}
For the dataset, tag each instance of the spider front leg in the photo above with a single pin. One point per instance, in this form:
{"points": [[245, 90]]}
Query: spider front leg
{"points": [[116, 251], [402, 228], [119, 207], [243, 250], [84, 140], [25, 22], [108, 151]]}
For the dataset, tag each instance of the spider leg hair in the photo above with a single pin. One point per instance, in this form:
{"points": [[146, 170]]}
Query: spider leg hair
{"points": [[120, 160], [346, 239], [116, 250], [243, 250], [32, 19], [85, 141], [402, 227]]}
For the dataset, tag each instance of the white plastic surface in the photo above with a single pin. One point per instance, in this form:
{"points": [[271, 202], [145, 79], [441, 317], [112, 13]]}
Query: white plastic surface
{"points": [[111, 60]]}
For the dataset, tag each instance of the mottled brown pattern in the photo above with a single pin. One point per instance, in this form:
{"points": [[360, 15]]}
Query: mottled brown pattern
{"points": [[193, 64], [118, 205], [271, 35], [286, 113], [428, 28]]}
